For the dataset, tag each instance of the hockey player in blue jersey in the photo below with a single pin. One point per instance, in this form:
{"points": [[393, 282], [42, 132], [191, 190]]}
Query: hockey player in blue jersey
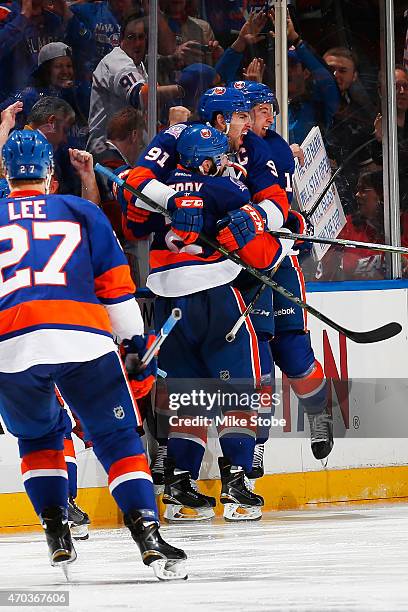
{"points": [[198, 280], [291, 345], [65, 289]]}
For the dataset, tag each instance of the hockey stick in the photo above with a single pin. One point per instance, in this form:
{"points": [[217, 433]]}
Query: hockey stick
{"points": [[162, 335], [316, 205], [375, 335], [355, 244]]}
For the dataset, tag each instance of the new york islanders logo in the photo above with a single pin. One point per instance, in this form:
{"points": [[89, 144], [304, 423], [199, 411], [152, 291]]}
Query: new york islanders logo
{"points": [[205, 133], [239, 85], [219, 91]]}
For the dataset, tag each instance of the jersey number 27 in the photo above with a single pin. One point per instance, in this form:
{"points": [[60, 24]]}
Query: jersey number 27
{"points": [[52, 273]]}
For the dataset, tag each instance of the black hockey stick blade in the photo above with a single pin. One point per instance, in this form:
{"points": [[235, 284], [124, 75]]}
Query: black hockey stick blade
{"points": [[375, 335]]}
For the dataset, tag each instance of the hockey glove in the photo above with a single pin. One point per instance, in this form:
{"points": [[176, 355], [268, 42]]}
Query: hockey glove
{"points": [[187, 216], [296, 223], [127, 202], [242, 227], [141, 377]]}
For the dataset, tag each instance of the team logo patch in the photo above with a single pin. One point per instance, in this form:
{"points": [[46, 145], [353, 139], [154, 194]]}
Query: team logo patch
{"points": [[175, 130], [205, 133], [119, 412], [239, 84], [219, 91], [225, 375]]}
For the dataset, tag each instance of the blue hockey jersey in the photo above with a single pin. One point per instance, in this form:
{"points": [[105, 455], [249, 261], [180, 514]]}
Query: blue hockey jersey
{"points": [[60, 263]]}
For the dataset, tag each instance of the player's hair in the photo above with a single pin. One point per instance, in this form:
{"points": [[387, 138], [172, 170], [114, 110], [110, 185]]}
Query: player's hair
{"points": [[122, 123], [47, 106], [343, 52], [20, 184], [134, 16]]}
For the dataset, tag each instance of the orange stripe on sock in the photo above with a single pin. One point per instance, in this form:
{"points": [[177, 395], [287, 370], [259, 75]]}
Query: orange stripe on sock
{"points": [[309, 383], [43, 460], [135, 463]]}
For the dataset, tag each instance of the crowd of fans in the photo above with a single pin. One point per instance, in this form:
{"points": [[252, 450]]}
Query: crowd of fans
{"points": [[78, 72]]}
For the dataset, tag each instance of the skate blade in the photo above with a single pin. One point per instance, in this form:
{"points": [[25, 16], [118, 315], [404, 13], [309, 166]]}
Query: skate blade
{"points": [[62, 560], [177, 513], [236, 512], [168, 569], [65, 570], [80, 532], [324, 462]]}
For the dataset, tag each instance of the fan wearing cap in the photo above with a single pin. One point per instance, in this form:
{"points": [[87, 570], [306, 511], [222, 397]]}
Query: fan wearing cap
{"points": [[55, 76], [25, 27]]}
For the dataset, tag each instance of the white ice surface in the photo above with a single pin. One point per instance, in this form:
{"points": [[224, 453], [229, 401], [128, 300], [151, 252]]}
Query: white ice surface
{"points": [[339, 558]]}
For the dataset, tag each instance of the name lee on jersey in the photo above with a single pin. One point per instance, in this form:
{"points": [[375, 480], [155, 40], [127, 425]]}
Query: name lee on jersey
{"points": [[27, 209]]}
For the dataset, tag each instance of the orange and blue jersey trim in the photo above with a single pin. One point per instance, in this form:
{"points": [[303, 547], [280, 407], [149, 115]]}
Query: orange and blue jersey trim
{"points": [[63, 314], [115, 285]]}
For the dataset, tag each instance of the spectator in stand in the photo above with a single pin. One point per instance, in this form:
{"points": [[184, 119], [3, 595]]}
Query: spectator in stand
{"points": [[55, 77], [81, 161], [196, 35], [102, 22], [401, 85], [352, 124], [54, 118], [123, 145], [313, 93], [120, 80], [366, 224], [24, 29], [226, 18]]}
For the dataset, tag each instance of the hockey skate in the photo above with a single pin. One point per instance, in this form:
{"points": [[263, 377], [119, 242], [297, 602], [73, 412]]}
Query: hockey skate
{"points": [[240, 503], [321, 435], [257, 463], [167, 562], [182, 499], [157, 469], [60, 546], [78, 521]]}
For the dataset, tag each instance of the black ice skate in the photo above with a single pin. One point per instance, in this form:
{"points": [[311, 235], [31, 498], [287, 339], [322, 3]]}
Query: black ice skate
{"points": [[78, 521], [182, 499], [60, 546], [321, 435], [257, 463], [167, 562], [240, 503], [157, 469]]}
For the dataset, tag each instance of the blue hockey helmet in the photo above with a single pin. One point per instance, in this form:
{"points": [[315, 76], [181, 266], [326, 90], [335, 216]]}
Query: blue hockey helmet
{"points": [[27, 154], [199, 142], [256, 93], [224, 100]]}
